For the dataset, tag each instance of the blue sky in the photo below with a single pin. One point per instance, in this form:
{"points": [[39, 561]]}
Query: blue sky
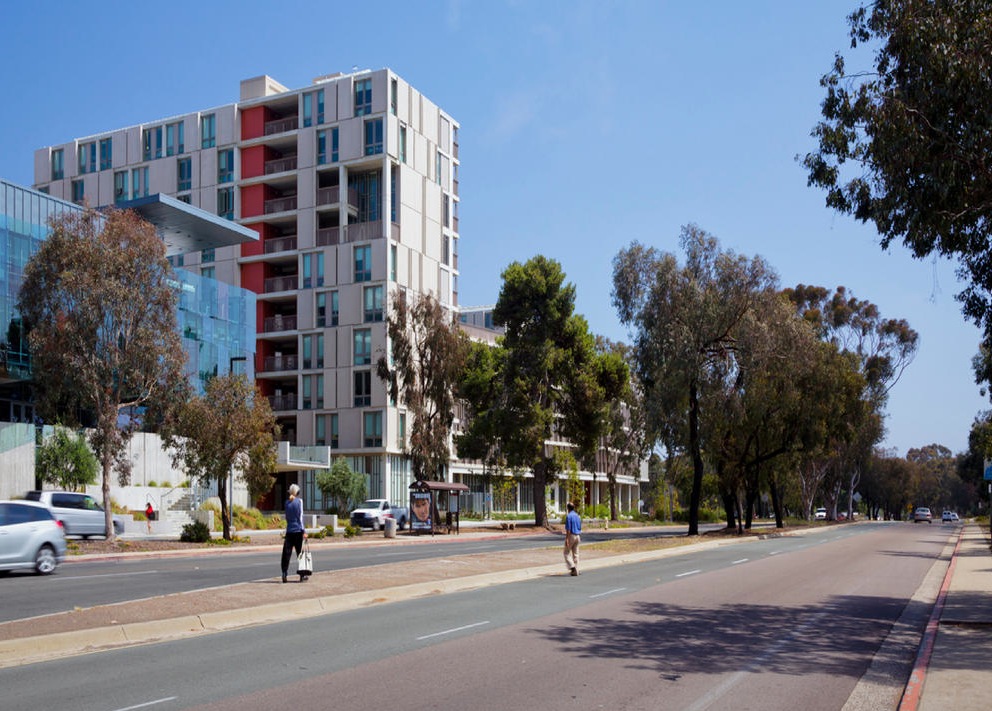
{"points": [[584, 126]]}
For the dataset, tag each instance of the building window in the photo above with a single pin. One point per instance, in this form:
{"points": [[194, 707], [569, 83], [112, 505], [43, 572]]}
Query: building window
{"points": [[333, 434], [139, 182], [373, 137], [327, 431], [184, 170], [225, 203], [207, 255], [393, 93], [313, 270], [77, 191], [334, 145], [445, 250], [175, 138], [446, 211], [320, 430], [363, 263], [323, 319], [402, 144], [58, 164], [367, 187], [120, 186], [152, 143], [225, 166], [401, 431], [321, 147], [106, 153], [363, 97], [363, 346], [184, 198], [373, 304], [87, 158], [437, 166], [372, 429], [313, 392], [176, 260], [393, 252], [208, 272], [363, 388], [313, 351], [310, 117], [208, 131]]}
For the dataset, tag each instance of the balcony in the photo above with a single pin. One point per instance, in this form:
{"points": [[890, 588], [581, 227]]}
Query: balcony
{"points": [[281, 204], [280, 244], [279, 322], [275, 364], [282, 125], [283, 402], [328, 236], [281, 283], [280, 165], [364, 231], [332, 196]]}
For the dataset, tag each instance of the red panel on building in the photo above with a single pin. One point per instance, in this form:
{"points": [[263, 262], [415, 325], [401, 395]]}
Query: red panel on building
{"points": [[252, 249], [253, 277], [252, 162], [252, 200], [253, 122]]}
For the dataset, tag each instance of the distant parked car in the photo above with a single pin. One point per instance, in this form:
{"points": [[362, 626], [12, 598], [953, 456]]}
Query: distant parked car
{"points": [[79, 514], [922, 514], [820, 514], [30, 538], [949, 517]]}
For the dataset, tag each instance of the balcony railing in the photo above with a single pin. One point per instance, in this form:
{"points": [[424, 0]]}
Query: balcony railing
{"points": [[274, 364], [280, 244], [280, 165], [283, 204], [281, 125], [283, 402], [282, 283], [279, 322], [328, 236], [362, 231], [332, 195]]}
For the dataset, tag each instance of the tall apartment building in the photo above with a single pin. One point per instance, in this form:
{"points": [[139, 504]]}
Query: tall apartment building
{"points": [[352, 186]]}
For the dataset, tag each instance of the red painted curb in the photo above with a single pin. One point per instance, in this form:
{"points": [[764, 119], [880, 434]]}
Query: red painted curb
{"points": [[914, 687]]}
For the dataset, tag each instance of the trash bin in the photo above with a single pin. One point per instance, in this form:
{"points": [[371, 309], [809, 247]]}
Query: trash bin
{"points": [[390, 528]]}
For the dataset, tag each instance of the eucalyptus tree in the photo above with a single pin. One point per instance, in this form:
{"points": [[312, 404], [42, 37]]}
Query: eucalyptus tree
{"points": [[685, 321], [884, 348], [228, 431], [904, 144], [99, 303], [545, 380], [427, 351]]}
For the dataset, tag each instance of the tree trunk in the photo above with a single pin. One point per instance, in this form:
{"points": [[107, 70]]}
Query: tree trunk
{"points": [[612, 479], [697, 461], [224, 507], [777, 507], [729, 508], [540, 476], [108, 513]]}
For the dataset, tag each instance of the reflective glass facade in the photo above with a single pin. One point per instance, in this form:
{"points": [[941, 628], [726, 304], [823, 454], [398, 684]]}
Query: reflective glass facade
{"points": [[217, 320]]}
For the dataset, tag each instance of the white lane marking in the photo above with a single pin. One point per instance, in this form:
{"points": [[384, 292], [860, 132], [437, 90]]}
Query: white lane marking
{"points": [[456, 629], [103, 575], [774, 552], [742, 560], [691, 572], [608, 592], [148, 703]]}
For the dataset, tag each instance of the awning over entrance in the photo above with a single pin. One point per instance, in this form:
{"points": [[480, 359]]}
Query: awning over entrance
{"points": [[438, 486]]}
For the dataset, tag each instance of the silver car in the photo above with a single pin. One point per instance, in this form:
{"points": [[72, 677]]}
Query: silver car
{"points": [[30, 538], [79, 514]]}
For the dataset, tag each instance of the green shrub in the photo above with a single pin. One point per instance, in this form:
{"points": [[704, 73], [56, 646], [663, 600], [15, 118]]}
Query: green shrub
{"points": [[153, 483], [705, 516], [196, 532], [325, 532], [352, 531]]}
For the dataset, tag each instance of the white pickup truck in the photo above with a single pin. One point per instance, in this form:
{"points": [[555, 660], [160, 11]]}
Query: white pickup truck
{"points": [[372, 513]]}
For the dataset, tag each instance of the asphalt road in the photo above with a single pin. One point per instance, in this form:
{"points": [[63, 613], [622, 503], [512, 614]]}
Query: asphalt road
{"points": [[86, 584], [783, 623]]}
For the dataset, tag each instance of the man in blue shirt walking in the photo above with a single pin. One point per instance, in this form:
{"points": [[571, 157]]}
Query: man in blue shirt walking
{"points": [[573, 532]]}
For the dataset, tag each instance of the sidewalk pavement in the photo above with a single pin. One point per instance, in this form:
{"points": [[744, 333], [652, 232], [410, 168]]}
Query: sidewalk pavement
{"points": [[953, 668], [957, 672]]}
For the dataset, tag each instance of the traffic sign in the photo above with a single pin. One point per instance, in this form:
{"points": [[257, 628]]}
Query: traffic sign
{"points": [[988, 471]]}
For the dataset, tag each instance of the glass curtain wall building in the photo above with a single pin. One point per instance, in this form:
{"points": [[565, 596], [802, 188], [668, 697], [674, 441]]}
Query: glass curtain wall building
{"points": [[216, 319]]}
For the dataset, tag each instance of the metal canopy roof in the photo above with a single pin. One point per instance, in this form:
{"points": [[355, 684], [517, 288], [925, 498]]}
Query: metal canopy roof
{"points": [[185, 228], [438, 486]]}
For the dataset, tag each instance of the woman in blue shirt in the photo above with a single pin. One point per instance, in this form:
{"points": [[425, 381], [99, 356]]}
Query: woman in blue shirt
{"points": [[295, 533]]}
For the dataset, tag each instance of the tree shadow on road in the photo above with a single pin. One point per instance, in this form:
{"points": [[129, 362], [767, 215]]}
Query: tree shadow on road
{"points": [[837, 638]]}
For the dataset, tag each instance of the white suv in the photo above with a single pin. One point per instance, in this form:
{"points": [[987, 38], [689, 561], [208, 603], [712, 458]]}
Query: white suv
{"points": [[79, 514]]}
